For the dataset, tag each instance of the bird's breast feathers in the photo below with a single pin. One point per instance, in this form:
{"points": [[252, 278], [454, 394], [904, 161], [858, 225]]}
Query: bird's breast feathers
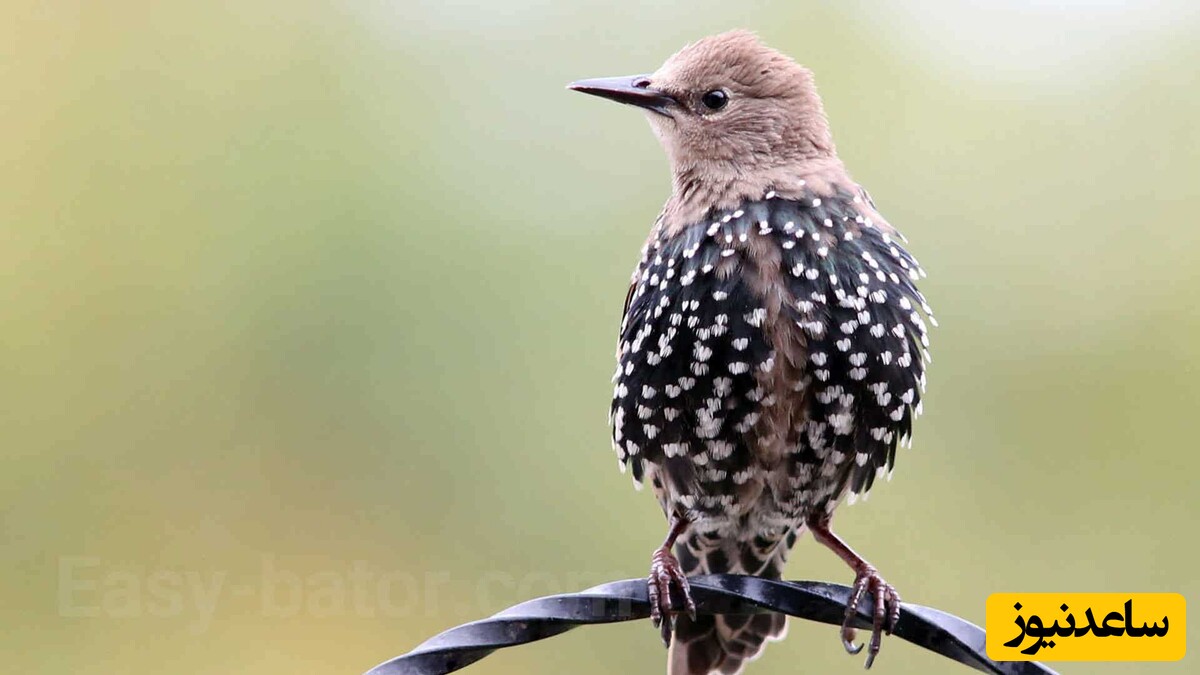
{"points": [[771, 352]]}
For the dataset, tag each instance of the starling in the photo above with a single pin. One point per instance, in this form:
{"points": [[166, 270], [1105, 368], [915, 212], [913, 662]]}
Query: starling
{"points": [[773, 345]]}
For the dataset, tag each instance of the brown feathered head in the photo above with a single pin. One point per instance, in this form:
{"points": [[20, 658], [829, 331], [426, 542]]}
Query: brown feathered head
{"points": [[728, 105]]}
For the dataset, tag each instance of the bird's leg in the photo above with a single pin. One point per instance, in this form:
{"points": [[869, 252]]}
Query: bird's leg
{"points": [[866, 580], [664, 571]]}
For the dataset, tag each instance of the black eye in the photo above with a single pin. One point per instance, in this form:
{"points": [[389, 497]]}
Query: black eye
{"points": [[715, 99]]}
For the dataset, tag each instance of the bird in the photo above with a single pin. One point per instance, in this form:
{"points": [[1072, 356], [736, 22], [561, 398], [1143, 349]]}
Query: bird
{"points": [[772, 349]]}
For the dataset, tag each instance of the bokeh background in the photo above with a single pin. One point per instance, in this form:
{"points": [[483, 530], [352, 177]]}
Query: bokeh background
{"points": [[308, 313]]}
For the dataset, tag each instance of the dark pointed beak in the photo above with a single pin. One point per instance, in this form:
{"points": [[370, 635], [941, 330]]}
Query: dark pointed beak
{"points": [[632, 90]]}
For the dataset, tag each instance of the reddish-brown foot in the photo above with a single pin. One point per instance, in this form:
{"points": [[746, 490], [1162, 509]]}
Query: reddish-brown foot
{"points": [[886, 611], [665, 572], [866, 580]]}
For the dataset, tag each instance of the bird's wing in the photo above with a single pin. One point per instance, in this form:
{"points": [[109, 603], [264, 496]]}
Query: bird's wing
{"points": [[628, 300], [691, 345], [853, 294]]}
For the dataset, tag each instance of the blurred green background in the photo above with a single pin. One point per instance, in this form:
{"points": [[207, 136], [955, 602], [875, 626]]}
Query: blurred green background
{"points": [[309, 313]]}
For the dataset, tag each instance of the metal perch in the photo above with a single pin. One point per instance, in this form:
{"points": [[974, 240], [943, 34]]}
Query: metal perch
{"points": [[542, 618]]}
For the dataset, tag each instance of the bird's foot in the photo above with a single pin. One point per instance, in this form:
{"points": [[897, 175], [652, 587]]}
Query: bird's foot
{"points": [[884, 617], [665, 572]]}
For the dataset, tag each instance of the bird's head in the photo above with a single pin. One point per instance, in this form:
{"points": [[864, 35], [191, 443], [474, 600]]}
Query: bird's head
{"points": [[728, 107]]}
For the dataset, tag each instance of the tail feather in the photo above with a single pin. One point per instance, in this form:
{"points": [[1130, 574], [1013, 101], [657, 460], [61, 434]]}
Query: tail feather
{"points": [[725, 643]]}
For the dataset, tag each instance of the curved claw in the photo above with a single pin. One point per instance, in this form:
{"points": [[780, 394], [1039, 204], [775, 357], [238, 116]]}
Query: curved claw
{"points": [[848, 631], [884, 614], [665, 571]]}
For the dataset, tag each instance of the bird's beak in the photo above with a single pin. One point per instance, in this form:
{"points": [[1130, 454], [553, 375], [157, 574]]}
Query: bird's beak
{"points": [[633, 90]]}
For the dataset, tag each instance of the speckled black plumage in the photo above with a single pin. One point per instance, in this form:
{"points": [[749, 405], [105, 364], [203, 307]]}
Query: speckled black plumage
{"points": [[850, 289]]}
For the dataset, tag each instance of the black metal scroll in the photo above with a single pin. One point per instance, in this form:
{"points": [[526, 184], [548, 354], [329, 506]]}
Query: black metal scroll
{"points": [[542, 618]]}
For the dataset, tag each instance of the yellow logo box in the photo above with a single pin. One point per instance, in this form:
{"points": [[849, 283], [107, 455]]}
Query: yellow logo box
{"points": [[1086, 626]]}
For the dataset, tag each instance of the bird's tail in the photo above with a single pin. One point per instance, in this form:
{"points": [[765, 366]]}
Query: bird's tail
{"points": [[724, 643]]}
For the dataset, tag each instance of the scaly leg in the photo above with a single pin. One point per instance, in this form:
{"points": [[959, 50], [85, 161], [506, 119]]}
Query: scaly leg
{"points": [[866, 580], [664, 571]]}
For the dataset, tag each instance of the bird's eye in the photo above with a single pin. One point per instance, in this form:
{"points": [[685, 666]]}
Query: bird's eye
{"points": [[715, 99]]}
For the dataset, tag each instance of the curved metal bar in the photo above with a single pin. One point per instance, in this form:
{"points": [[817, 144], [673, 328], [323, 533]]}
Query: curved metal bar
{"points": [[931, 629]]}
